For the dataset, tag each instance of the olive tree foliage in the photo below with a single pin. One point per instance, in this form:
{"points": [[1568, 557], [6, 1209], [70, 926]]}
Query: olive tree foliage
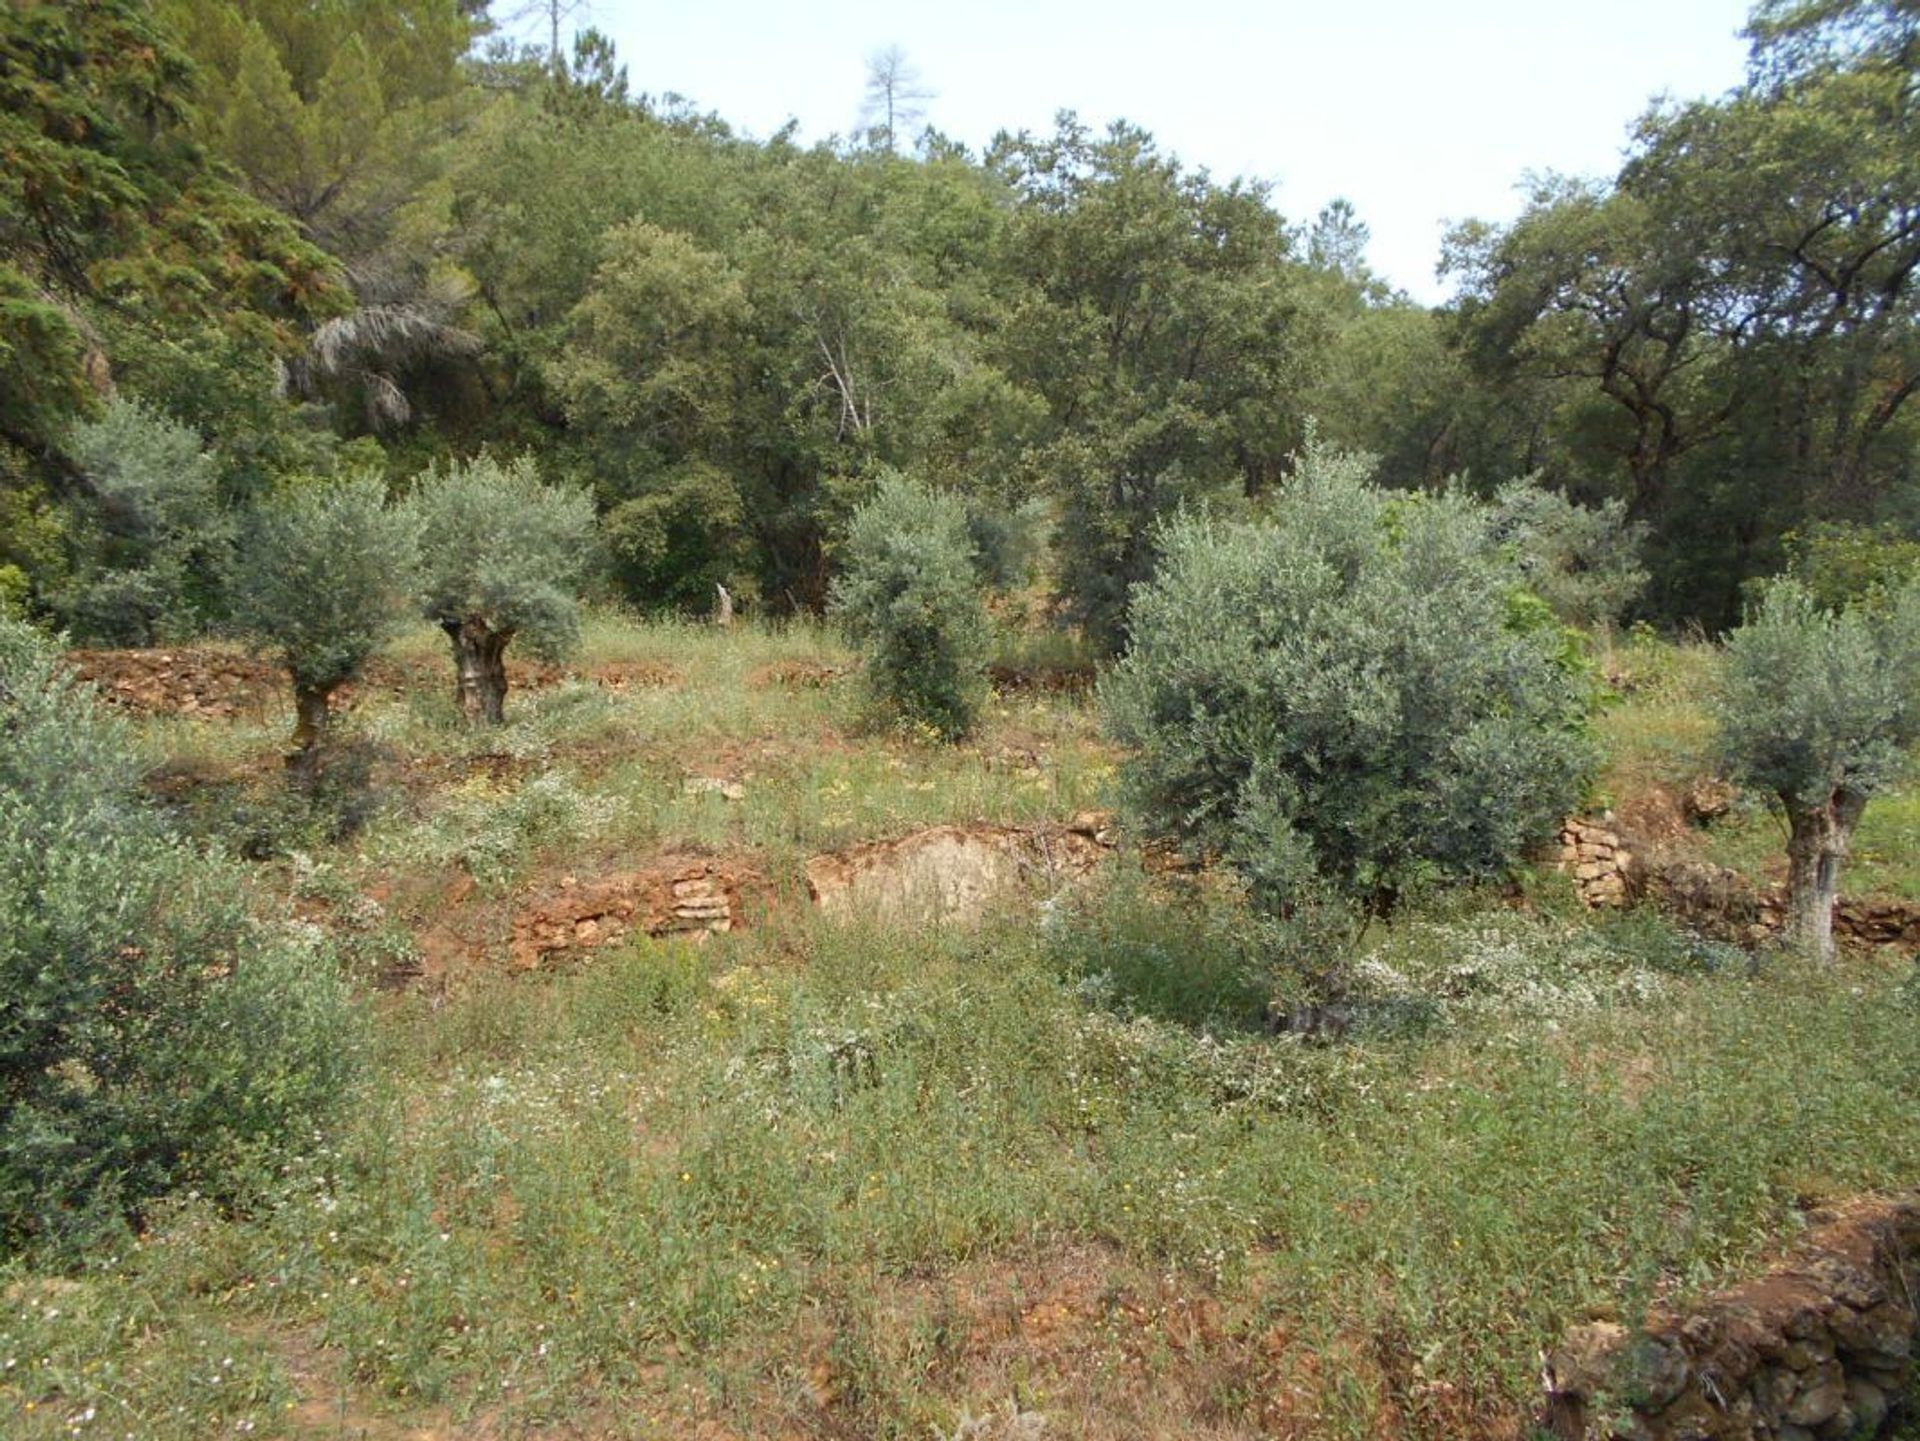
{"points": [[320, 579], [151, 535], [1355, 696], [502, 557], [152, 1034], [1819, 709], [1584, 561], [908, 595]]}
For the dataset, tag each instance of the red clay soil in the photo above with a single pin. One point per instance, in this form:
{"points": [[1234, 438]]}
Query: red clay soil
{"points": [[217, 683]]}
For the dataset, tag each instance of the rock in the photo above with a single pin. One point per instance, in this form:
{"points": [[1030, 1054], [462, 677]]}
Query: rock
{"points": [[1096, 824], [1879, 1332], [1708, 799], [1820, 1397], [1658, 1372], [1803, 1356], [1577, 1371], [1813, 1349], [679, 898], [949, 873], [1869, 1405]]}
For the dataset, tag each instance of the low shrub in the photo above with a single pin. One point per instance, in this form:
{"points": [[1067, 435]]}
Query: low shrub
{"points": [[1359, 696], [152, 1033], [910, 598]]}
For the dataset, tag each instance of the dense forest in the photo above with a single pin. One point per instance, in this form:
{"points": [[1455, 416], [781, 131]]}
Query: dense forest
{"points": [[246, 243]]}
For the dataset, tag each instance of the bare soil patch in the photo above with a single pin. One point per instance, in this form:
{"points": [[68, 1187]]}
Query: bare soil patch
{"points": [[215, 683], [955, 873]]}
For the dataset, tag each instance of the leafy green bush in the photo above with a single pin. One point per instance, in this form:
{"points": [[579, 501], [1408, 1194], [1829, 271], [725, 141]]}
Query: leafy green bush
{"points": [[152, 1035], [321, 579], [1007, 542], [1818, 709], [15, 588], [909, 597], [674, 542], [1842, 564], [1107, 544], [502, 556], [151, 535], [1348, 697]]}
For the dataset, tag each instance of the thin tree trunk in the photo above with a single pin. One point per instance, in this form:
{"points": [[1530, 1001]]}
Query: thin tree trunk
{"points": [[480, 664], [1817, 843], [312, 719]]}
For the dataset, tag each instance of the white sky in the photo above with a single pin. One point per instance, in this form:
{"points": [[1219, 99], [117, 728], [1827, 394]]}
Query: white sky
{"points": [[1418, 111]]}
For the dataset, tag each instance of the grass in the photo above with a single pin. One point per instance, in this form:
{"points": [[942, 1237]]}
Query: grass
{"points": [[774, 711], [591, 1187], [849, 1181]]}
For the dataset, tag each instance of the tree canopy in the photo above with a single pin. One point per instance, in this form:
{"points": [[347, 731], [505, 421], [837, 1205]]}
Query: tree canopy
{"points": [[398, 248]]}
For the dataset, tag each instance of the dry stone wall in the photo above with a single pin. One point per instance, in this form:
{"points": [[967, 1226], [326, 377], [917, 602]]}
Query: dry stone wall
{"points": [[219, 683], [1818, 1349], [1602, 864], [204, 682], [1610, 870], [691, 898]]}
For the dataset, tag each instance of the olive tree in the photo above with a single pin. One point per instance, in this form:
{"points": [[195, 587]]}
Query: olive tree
{"points": [[321, 579], [502, 556], [1353, 696], [153, 1033], [909, 596], [150, 534], [1819, 708]]}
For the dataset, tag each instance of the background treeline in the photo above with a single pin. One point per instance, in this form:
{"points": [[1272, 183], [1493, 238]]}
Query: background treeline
{"points": [[245, 244]]}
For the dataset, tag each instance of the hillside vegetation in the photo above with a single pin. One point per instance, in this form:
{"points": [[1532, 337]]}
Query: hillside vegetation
{"points": [[819, 1178], [664, 783]]}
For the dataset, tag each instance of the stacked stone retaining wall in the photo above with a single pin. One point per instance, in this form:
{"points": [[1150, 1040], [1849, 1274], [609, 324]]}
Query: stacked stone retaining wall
{"points": [[1819, 1348], [1609, 869]]}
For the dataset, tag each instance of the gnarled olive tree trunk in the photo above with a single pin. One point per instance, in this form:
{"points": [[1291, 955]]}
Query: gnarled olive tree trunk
{"points": [[1818, 838], [480, 663], [313, 717]]}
